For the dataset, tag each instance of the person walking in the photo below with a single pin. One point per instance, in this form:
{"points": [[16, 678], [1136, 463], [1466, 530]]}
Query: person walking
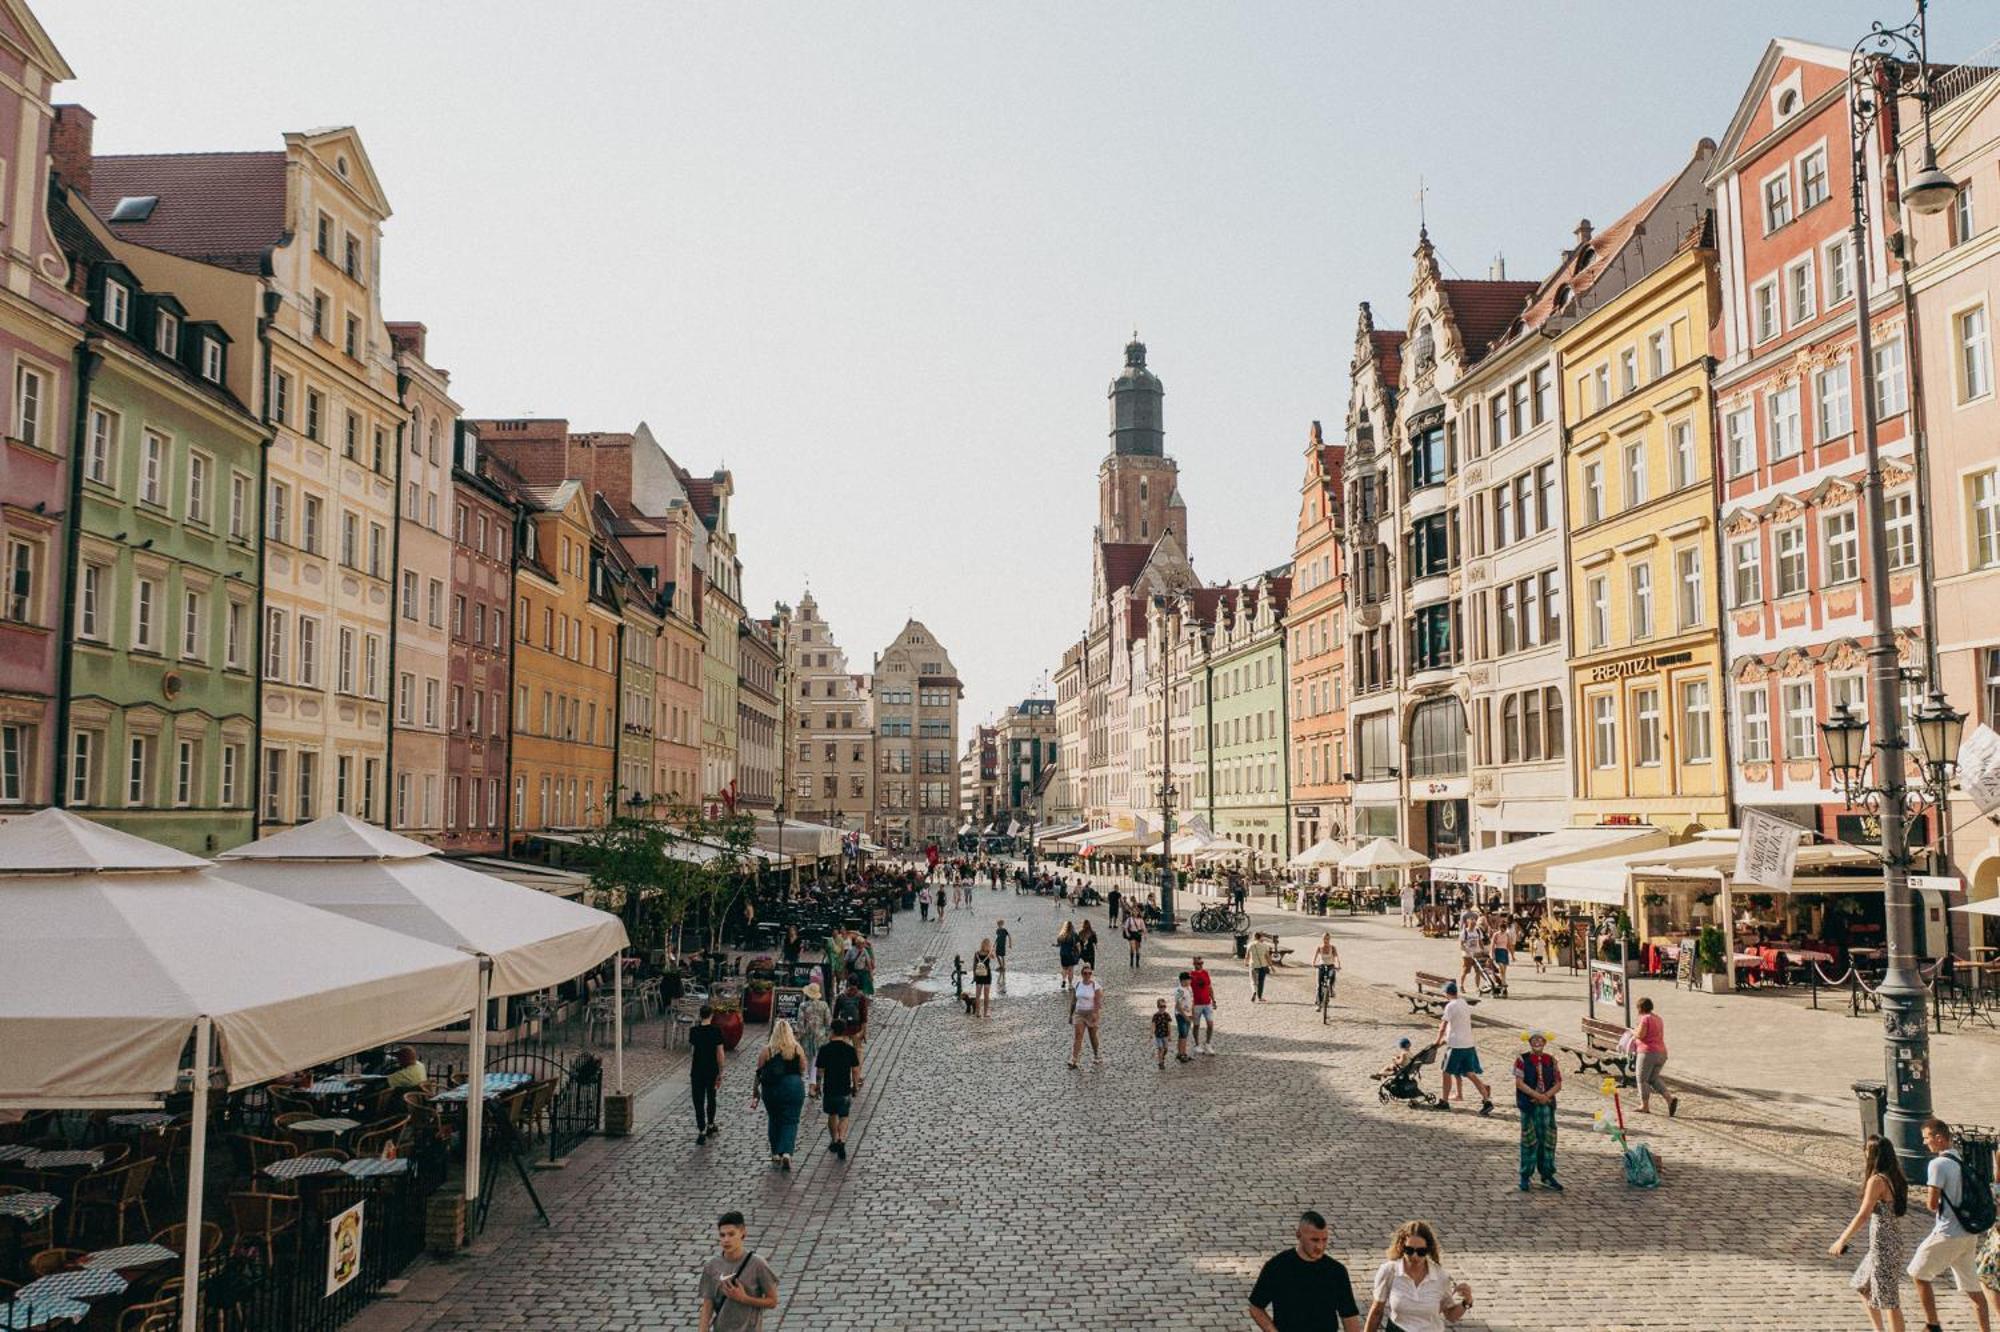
{"points": [[1950, 1246], [737, 1286], [1304, 1289], [815, 1020], [852, 1008], [1649, 1048], [704, 1072], [1471, 943], [1086, 1006], [1086, 944], [1163, 1025], [1461, 1060], [924, 903], [1411, 1291], [1537, 1081], [1113, 897], [1000, 937], [1503, 952], [1202, 986], [1066, 953], [781, 1086], [793, 945], [1885, 1196], [1183, 1017], [839, 1065], [1258, 958], [938, 900], [1135, 933], [982, 979]]}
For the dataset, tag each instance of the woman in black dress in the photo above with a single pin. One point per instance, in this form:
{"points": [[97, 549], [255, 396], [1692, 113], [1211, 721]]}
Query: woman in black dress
{"points": [[1086, 945]]}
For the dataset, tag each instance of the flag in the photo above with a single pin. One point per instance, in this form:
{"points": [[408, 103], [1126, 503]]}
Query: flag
{"points": [[1766, 850]]}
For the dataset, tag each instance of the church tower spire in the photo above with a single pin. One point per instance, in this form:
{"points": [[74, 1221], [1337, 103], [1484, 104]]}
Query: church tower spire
{"points": [[1137, 428], [1138, 495]]}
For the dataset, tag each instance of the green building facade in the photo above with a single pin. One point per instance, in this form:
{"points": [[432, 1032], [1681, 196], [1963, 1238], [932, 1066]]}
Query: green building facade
{"points": [[1248, 780]]}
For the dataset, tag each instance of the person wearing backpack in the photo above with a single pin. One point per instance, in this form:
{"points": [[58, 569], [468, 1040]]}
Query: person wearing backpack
{"points": [[1963, 1203]]}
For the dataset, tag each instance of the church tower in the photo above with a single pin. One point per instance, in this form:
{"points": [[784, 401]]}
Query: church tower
{"points": [[1138, 495]]}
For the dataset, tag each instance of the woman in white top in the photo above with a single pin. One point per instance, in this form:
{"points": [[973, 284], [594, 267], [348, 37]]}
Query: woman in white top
{"points": [[1086, 1003], [1412, 1291]]}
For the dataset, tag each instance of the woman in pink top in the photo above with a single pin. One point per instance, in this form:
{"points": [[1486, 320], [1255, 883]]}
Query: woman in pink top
{"points": [[1649, 1043]]}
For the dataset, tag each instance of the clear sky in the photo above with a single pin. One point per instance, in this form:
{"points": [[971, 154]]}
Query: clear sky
{"points": [[881, 260]]}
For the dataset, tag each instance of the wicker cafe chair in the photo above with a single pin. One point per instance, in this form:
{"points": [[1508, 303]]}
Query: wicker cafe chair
{"points": [[175, 1237], [372, 1140], [50, 1261], [42, 1234], [160, 1315], [267, 1218], [116, 1191], [266, 1151]]}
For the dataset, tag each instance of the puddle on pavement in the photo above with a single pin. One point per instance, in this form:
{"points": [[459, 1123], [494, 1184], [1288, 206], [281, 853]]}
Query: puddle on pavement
{"points": [[930, 980]]}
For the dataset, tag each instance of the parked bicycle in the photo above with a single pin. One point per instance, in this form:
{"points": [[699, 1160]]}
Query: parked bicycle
{"points": [[1220, 918]]}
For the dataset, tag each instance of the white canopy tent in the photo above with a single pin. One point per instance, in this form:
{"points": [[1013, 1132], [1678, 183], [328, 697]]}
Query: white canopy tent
{"points": [[1377, 854], [1525, 863], [115, 952], [1988, 906], [797, 838], [526, 940], [1323, 854], [1059, 831]]}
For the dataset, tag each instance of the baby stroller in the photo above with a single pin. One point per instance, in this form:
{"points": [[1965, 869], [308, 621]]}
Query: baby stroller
{"points": [[1486, 976], [1400, 1081]]}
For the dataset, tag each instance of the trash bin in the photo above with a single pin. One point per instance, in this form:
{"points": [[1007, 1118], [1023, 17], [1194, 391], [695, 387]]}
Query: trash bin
{"points": [[1874, 1099], [1242, 945]]}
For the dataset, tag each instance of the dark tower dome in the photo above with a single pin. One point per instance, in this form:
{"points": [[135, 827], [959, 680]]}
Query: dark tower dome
{"points": [[1136, 415]]}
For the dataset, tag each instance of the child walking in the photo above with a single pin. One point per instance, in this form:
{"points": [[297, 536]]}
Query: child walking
{"points": [[1183, 1017], [1162, 1022]]}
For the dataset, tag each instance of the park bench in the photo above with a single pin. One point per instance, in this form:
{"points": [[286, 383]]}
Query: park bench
{"points": [[1429, 996], [1601, 1050]]}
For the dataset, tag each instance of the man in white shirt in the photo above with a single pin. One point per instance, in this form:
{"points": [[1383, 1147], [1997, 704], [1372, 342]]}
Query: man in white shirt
{"points": [[1461, 1059], [1950, 1247]]}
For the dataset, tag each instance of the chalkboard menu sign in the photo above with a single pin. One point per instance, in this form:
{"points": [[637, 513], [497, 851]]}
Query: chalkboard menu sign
{"points": [[786, 1004]]}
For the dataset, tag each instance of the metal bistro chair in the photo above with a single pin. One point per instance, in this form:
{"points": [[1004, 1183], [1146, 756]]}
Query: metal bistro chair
{"points": [[116, 1191], [680, 1021], [598, 1019]]}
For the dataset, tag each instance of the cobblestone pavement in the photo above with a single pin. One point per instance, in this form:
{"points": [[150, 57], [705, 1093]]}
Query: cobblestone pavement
{"points": [[990, 1187]]}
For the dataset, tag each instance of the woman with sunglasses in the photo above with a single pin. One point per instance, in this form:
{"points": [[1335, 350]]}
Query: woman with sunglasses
{"points": [[1412, 1292]]}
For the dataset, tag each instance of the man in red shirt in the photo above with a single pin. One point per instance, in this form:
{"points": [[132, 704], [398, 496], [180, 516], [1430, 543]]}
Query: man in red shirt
{"points": [[1204, 1008]]}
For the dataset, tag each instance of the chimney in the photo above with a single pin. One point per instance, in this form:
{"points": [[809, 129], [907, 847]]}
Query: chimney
{"points": [[69, 146], [1583, 233], [408, 336]]}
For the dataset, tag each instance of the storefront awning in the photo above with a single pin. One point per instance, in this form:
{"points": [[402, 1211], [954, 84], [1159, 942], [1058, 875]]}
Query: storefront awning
{"points": [[1518, 864], [1707, 859], [1059, 831]]}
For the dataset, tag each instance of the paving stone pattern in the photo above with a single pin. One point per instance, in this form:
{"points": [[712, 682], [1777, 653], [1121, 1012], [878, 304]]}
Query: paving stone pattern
{"points": [[991, 1187]]}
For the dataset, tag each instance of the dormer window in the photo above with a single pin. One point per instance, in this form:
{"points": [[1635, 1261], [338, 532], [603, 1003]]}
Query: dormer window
{"points": [[167, 334], [211, 360], [117, 305]]}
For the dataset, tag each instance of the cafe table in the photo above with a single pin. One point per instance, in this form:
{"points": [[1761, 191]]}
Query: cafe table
{"points": [[335, 1127], [496, 1084], [26, 1313], [78, 1283], [130, 1257], [28, 1208], [298, 1167]]}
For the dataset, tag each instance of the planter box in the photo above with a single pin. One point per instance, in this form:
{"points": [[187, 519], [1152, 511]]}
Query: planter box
{"points": [[618, 1114], [1715, 982], [444, 1223]]}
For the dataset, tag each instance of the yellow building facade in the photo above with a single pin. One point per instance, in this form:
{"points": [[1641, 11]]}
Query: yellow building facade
{"points": [[1648, 736]]}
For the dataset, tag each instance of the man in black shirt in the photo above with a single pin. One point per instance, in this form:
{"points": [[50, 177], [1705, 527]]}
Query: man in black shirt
{"points": [[1303, 1289], [705, 1073], [1000, 937], [837, 1064]]}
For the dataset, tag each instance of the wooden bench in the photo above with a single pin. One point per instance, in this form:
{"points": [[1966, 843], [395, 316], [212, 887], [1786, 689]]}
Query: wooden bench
{"points": [[1600, 1052], [1429, 996]]}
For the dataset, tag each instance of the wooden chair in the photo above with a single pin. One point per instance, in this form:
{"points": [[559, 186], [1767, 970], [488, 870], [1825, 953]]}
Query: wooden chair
{"points": [[50, 1261], [116, 1191], [541, 1101], [266, 1151], [371, 1140], [265, 1217], [175, 1237]]}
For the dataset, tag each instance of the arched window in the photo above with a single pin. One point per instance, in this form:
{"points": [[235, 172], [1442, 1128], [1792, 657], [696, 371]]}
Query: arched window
{"points": [[1437, 739]]}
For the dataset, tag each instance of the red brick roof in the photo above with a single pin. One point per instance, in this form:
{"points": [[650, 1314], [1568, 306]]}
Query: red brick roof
{"points": [[1387, 345], [226, 209], [1577, 279], [1122, 562], [1482, 309]]}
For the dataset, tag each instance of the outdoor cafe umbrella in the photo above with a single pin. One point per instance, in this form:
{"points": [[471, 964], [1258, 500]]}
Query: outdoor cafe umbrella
{"points": [[114, 951], [1381, 853], [527, 939], [1326, 851]]}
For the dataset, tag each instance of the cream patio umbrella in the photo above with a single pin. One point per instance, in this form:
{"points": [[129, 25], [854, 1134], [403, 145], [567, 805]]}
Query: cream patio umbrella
{"points": [[1381, 853], [115, 952], [525, 939]]}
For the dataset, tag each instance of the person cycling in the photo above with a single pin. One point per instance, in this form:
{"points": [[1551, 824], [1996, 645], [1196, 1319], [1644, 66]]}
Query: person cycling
{"points": [[1327, 959]]}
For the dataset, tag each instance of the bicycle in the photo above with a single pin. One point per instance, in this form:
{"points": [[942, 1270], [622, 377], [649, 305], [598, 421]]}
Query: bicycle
{"points": [[1329, 977], [1218, 918]]}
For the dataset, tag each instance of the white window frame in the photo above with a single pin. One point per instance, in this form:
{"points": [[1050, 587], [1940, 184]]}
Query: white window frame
{"points": [[1739, 434], [1838, 264], [1766, 311], [1697, 742], [101, 448], [1683, 460], [1753, 723], [1796, 557], [1972, 352], [1639, 580], [1840, 545], [201, 479], [1781, 420], [1801, 297], [1801, 723], [1646, 748], [154, 450], [1690, 613], [1775, 208], [1833, 402], [1805, 201], [1604, 731], [1746, 556]]}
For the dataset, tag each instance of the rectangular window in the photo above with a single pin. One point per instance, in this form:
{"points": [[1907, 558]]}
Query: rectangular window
{"points": [[1681, 465], [118, 306], [167, 334], [350, 540], [1777, 201], [211, 360], [1642, 601], [14, 760], [191, 625], [434, 603], [431, 703], [1963, 223], [1842, 544], [1740, 441], [1603, 731], [1541, 389], [1900, 522], [138, 769], [1753, 724], [1812, 179], [30, 404], [1984, 498], [1799, 305], [187, 766], [83, 751], [345, 679], [277, 517], [1801, 728], [235, 617], [371, 662], [409, 594], [197, 493], [1697, 721], [315, 413], [1975, 353], [378, 545], [311, 507], [1628, 370], [1839, 272], [321, 313], [308, 651], [350, 444], [1892, 390], [1764, 302], [1635, 475], [308, 785], [146, 615], [1834, 401], [20, 604], [1746, 573], [1646, 727], [1593, 492], [239, 506], [153, 468], [1597, 596], [98, 448], [274, 644], [232, 775], [274, 785], [1687, 582], [1782, 410], [1659, 354], [1789, 545]]}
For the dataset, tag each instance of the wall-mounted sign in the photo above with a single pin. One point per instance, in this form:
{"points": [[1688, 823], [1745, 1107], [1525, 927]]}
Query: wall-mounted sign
{"points": [[1645, 665]]}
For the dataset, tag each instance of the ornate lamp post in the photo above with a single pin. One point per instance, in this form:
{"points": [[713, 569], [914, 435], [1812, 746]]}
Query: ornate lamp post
{"points": [[1167, 793], [1875, 71]]}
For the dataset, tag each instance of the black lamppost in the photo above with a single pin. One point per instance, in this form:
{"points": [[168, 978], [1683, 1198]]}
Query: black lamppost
{"points": [[1875, 71], [1167, 794]]}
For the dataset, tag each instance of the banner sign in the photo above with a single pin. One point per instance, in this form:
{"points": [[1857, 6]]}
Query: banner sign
{"points": [[343, 1248], [1979, 767], [1766, 850]]}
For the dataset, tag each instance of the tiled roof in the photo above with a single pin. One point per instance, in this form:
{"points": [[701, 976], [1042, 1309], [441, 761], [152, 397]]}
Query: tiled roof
{"points": [[1482, 309], [701, 494], [1122, 562], [74, 235], [1207, 600], [1387, 344], [551, 497], [1577, 280], [226, 209]]}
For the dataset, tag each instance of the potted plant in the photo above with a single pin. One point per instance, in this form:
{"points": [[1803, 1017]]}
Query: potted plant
{"points": [[757, 998], [728, 1019], [1709, 961]]}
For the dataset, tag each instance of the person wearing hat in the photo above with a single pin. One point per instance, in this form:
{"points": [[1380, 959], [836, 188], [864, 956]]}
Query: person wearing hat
{"points": [[815, 1019], [1461, 1060], [1537, 1080]]}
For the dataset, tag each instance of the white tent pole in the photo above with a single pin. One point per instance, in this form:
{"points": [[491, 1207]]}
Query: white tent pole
{"points": [[197, 1174], [618, 1021], [475, 1082], [1728, 900]]}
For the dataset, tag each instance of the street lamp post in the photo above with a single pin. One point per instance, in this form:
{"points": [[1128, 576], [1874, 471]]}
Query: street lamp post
{"points": [[1874, 70], [1167, 793]]}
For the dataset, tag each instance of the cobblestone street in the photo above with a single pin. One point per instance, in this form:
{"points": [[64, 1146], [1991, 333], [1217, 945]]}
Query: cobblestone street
{"points": [[991, 1187]]}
